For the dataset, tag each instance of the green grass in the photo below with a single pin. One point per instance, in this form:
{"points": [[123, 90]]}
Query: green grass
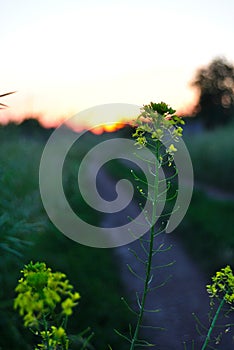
{"points": [[207, 229], [92, 271], [212, 156], [94, 274], [207, 232], [20, 221]]}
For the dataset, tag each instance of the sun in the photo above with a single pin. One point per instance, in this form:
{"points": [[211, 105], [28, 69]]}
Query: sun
{"points": [[111, 127]]}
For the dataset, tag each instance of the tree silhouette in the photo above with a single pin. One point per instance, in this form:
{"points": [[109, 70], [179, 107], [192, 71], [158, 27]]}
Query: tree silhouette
{"points": [[215, 85]]}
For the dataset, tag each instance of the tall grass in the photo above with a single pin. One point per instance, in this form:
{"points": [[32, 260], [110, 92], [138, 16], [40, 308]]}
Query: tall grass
{"points": [[212, 155], [27, 234], [207, 232]]}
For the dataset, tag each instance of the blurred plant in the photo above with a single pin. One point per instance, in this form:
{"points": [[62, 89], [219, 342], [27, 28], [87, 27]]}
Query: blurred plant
{"points": [[10, 228], [2, 105], [45, 300], [215, 85], [20, 219], [156, 123], [26, 234], [221, 290], [17, 219]]}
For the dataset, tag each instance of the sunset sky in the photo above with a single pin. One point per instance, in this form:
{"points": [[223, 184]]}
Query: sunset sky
{"points": [[65, 56]]}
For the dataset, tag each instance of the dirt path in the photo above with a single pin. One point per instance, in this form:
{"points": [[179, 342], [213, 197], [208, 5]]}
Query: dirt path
{"points": [[213, 192], [182, 295]]}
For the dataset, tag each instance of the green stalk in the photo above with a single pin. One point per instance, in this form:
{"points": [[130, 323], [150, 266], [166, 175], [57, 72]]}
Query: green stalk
{"points": [[46, 332], [213, 324], [149, 262]]}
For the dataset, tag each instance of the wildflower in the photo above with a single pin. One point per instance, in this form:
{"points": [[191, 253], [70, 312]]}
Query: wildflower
{"points": [[154, 120], [58, 333], [157, 134], [223, 285], [141, 141], [178, 131], [69, 303], [171, 149], [54, 337], [40, 291]]}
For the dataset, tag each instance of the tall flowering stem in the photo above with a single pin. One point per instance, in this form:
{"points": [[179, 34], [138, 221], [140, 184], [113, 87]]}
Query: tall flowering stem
{"points": [[156, 122]]}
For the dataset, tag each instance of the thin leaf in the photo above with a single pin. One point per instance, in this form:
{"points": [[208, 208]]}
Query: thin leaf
{"points": [[5, 247], [134, 273], [2, 104], [8, 93], [137, 256], [129, 308], [122, 335]]}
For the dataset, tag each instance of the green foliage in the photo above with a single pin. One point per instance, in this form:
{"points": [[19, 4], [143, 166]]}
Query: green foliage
{"points": [[26, 230], [20, 219], [40, 291], [18, 202], [202, 232], [23, 223], [44, 299], [211, 154], [94, 273]]}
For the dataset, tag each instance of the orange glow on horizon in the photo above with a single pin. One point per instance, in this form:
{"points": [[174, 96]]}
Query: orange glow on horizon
{"points": [[9, 115], [112, 127]]}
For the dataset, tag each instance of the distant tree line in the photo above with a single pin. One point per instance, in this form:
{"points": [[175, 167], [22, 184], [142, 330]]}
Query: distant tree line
{"points": [[29, 128]]}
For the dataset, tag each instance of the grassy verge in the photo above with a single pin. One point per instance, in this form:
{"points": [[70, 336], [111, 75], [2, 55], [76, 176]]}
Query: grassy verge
{"points": [[207, 232], [94, 274], [92, 271], [212, 157]]}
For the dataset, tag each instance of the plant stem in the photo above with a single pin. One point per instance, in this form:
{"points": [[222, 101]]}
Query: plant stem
{"points": [[145, 291], [149, 261], [46, 332], [213, 324]]}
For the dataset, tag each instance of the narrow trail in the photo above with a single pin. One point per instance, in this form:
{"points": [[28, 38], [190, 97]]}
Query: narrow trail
{"points": [[214, 192], [183, 294]]}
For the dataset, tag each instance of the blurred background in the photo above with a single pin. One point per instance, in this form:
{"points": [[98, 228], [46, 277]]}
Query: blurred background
{"points": [[59, 58]]}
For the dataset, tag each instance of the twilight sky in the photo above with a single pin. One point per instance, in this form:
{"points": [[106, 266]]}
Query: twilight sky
{"points": [[65, 56]]}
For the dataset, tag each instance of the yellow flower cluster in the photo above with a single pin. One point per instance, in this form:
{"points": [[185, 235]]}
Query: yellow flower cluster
{"points": [[55, 337], [223, 285], [40, 291], [155, 121]]}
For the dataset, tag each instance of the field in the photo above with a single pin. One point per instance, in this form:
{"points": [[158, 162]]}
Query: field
{"points": [[27, 234]]}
